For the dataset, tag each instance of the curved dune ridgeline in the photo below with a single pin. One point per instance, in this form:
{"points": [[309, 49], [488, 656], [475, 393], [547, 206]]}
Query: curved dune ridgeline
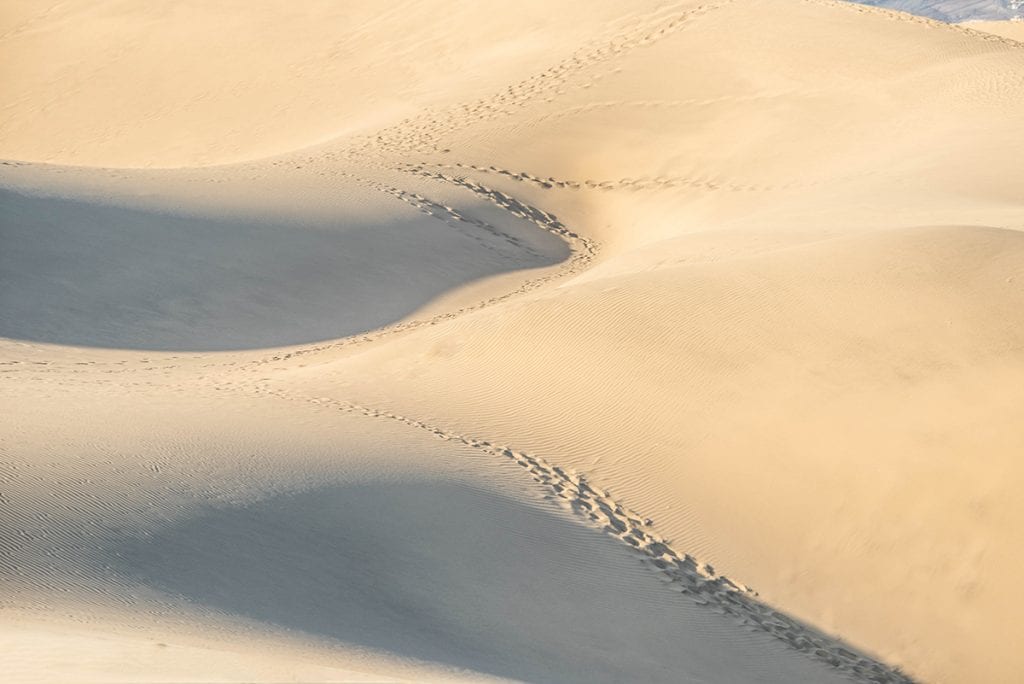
{"points": [[674, 342]]}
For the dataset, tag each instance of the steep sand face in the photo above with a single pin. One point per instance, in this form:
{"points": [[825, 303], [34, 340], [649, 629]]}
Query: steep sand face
{"points": [[717, 283]]}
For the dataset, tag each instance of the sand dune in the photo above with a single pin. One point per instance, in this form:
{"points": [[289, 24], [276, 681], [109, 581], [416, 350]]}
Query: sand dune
{"points": [[225, 83], [677, 342], [169, 275], [394, 543], [1014, 30]]}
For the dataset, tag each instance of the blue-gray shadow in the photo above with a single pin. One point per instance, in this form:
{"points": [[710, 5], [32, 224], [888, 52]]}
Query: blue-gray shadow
{"points": [[83, 273], [448, 573], [427, 570]]}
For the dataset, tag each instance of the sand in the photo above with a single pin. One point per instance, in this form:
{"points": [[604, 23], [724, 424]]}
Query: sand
{"points": [[677, 342], [1014, 30]]}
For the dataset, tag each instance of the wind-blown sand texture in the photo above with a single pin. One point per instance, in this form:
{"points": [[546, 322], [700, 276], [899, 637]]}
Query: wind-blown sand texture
{"points": [[588, 341], [1014, 30]]}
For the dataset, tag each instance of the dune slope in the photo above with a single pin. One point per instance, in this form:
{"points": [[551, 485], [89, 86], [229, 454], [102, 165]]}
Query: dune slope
{"points": [[520, 352]]}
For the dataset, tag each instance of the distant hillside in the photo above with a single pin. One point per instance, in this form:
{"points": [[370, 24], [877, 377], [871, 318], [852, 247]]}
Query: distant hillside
{"points": [[956, 10]]}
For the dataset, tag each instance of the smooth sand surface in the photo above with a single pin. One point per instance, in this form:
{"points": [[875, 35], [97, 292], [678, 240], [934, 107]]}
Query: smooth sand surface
{"points": [[681, 342], [1013, 30]]}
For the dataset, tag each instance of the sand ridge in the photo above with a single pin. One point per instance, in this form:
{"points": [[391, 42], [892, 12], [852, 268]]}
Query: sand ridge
{"points": [[736, 294]]}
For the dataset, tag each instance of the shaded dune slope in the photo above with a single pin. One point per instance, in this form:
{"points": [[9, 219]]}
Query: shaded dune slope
{"points": [[91, 269]]}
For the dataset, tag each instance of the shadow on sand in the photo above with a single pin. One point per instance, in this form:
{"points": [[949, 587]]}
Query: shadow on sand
{"points": [[449, 574], [81, 273]]}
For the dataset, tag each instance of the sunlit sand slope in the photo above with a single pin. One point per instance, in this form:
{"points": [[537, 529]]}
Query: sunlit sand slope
{"points": [[677, 342], [800, 350]]}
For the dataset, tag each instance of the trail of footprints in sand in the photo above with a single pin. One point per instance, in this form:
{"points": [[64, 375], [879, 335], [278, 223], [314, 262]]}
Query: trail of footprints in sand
{"points": [[591, 107], [632, 184], [425, 131], [582, 252], [894, 15], [681, 571]]}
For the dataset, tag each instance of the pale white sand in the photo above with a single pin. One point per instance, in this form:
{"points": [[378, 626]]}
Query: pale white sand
{"points": [[514, 320]]}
